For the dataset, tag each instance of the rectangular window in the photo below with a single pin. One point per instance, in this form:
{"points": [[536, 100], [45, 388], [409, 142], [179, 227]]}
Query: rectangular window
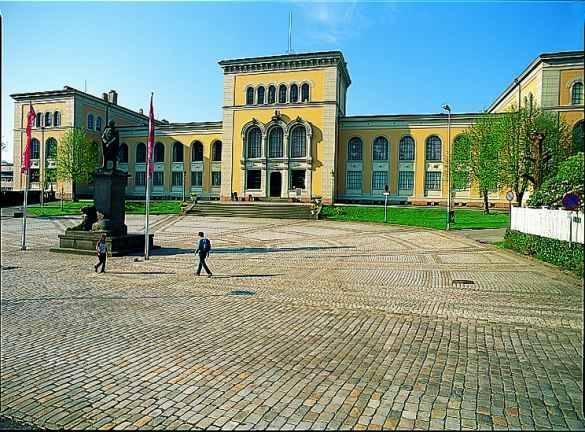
{"points": [[158, 178], [35, 175], [379, 180], [253, 179], [433, 181], [196, 178], [216, 178], [177, 179], [297, 179], [405, 180], [354, 180], [141, 178]]}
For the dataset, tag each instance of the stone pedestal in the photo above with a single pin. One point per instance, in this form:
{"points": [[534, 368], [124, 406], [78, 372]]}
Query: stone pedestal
{"points": [[109, 197], [84, 242], [109, 202]]}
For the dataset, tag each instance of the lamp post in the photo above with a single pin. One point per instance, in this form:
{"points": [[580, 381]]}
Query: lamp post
{"points": [[386, 193], [332, 186], [448, 109]]}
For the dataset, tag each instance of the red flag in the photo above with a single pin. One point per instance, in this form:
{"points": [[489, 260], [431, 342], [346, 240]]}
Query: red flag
{"points": [[30, 118], [150, 147]]}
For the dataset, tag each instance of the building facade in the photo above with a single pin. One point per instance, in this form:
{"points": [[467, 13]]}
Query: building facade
{"points": [[285, 135]]}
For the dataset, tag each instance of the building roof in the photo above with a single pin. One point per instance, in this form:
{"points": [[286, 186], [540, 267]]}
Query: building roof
{"points": [[71, 91], [287, 61], [557, 58]]}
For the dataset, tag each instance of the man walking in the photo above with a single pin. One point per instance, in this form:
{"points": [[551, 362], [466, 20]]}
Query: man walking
{"points": [[102, 250], [203, 248]]}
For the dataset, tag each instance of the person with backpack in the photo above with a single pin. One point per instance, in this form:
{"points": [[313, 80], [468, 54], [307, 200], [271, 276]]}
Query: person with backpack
{"points": [[203, 249], [102, 249]]}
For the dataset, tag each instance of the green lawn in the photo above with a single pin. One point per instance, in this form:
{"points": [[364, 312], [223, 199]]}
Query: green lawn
{"points": [[132, 207], [423, 217]]}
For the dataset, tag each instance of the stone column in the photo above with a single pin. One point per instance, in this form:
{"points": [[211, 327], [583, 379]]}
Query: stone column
{"points": [[309, 181], [285, 175]]}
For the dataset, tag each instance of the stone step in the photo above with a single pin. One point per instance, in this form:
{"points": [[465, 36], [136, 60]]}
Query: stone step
{"points": [[278, 211]]}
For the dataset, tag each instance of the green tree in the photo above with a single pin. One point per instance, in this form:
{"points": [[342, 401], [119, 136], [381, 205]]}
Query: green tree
{"points": [[477, 157], [518, 157], [76, 158]]}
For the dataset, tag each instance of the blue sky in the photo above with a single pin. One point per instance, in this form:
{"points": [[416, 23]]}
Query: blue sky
{"points": [[405, 57]]}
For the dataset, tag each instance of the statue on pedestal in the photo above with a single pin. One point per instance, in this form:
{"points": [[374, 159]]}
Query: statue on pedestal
{"points": [[110, 145]]}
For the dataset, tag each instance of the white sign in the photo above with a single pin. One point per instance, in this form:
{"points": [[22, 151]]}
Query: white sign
{"points": [[510, 196]]}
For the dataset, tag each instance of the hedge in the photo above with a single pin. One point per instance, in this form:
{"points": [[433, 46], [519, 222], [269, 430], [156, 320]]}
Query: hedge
{"points": [[557, 252]]}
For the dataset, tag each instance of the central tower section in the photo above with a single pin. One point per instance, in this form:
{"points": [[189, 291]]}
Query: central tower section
{"points": [[280, 123]]}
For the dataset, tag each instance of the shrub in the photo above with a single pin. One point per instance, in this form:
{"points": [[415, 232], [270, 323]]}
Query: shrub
{"points": [[557, 252], [569, 178]]}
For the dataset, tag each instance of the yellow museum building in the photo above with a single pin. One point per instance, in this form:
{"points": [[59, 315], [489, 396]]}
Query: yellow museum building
{"points": [[285, 134]]}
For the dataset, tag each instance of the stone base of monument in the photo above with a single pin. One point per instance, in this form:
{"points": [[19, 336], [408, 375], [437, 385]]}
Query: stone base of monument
{"points": [[84, 243]]}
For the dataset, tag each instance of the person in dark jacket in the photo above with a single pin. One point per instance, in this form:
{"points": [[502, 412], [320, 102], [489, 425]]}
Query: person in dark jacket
{"points": [[203, 248]]}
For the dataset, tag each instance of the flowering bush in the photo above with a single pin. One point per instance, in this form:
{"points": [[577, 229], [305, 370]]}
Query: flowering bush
{"points": [[569, 178]]}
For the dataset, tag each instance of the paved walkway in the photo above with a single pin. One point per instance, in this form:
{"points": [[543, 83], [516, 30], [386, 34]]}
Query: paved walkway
{"points": [[348, 326]]}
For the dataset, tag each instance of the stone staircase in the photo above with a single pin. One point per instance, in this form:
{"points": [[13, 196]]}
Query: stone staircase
{"points": [[252, 210]]}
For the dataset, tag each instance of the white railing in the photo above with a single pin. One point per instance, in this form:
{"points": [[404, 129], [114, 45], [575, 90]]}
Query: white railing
{"points": [[558, 224]]}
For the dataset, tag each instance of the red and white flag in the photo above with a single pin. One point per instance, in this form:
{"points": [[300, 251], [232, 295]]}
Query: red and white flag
{"points": [[30, 119], [150, 147]]}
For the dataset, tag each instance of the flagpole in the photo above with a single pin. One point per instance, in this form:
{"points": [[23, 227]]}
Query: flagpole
{"points": [[149, 157], [23, 246], [146, 240]]}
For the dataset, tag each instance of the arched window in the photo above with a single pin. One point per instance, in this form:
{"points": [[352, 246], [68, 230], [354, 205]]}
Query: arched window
{"points": [[271, 94], [159, 152], [123, 153], [577, 94], [254, 143], [90, 121], [51, 153], [141, 153], [177, 152], [380, 150], [57, 118], [38, 120], [250, 96], [216, 151], [275, 139], [261, 95], [433, 148], [406, 149], [298, 142], [282, 94], [48, 119], [197, 152], [305, 93], [98, 123], [354, 150], [35, 149], [579, 137], [294, 93]]}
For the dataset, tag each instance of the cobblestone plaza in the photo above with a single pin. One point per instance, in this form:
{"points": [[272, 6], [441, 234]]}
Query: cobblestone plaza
{"points": [[348, 326]]}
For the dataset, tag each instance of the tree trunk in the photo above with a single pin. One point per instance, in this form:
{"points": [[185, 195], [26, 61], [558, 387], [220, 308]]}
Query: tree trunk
{"points": [[519, 196], [486, 205], [74, 191]]}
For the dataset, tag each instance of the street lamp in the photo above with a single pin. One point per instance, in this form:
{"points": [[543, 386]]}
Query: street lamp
{"points": [[448, 109]]}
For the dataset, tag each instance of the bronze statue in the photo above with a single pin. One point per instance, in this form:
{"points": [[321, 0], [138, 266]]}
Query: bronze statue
{"points": [[110, 145]]}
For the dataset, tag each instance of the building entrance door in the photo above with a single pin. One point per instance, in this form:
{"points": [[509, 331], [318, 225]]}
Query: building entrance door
{"points": [[275, 184]]}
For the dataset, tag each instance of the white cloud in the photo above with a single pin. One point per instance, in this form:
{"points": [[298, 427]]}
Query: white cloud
{"points": [[333, 22]]}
